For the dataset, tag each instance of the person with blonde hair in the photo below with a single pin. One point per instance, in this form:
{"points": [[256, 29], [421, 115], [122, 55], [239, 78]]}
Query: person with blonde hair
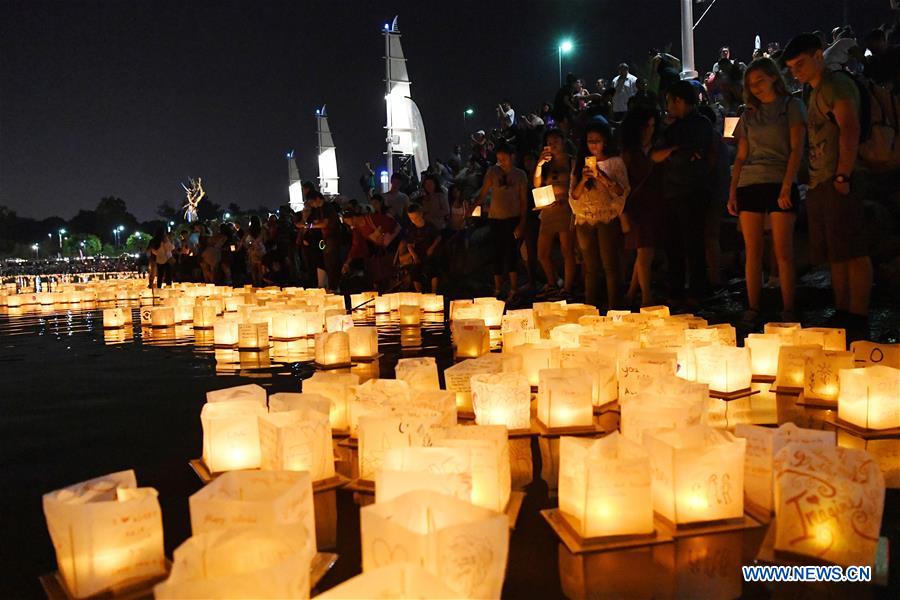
{"points": [[770, 137]]}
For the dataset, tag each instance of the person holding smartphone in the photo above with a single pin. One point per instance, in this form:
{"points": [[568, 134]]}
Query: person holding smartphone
{"points": [[554, 167], [599, 186]]}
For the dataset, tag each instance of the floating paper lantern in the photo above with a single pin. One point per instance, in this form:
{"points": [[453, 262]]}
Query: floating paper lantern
{"points": [[724, 368], [464, 309], [502, 399], [399, 429], [106, 532], [204, 316], [638, 372], [457, 378], [659, 311], [231, 435], [253, 336], [821, 374], [363, 301], [870, 397], [828, 504], [374, 395], [420, 373], [830, 338], [791, 372], [445, 470], [698, 474], [567, 336], [297, 440], [410, 315], [564, 398], [471, 338], [605, 486], [788, 331], [513, 339], [409, 299], [600, 369], [440, 401], [338, 322], [489, 446], [162, 316], [763, 443], [363, 342], [465, 546], [432, 303], [382, 305], [870, 353], [491, 311], [258, 498], [536, 357], [288, 401], [333, 349], [336, 387], [518, 319], [114, 317], [764, 352], [251, 392], [398, 580], [225, 332], [253, 562], [289, 325], [668, 402]]}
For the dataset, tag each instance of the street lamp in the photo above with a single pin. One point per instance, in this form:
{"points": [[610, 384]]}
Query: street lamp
{"points": [[62, 232], [564, 47], [466, 114], [227, 216], [35, 248]]}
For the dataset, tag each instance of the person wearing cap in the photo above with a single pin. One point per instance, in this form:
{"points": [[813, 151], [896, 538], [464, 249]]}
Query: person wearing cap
{"points": [[834, 201], [687, 153]]}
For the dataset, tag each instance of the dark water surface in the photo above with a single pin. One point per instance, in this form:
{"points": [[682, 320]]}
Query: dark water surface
{"points": [[78, 402]]}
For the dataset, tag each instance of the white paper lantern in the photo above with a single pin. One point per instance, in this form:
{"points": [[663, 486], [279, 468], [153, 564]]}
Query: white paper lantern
{"points": [[337, 388], [372, 396], [445, 470], [289, 325], [763, 443], [828, 504], [870, 397], [114, 317], [791, 372], [724, 368], [333, 349], [254, 562], [830, 338], [363, 342], [297, 440], [440, 401], [106, 533], [564, 398], [667, 403], [382, 305], [288, 401], [432, 303], [338, 322], [204, 316], [457, 378], [518, 319], [605, 486], [764, 352], [397, 429], [250, 392], [540, 355], [600, 369], [502, 399], [253, 336], [788, 331], [420, 373], [822, 374], [225, 332], [491, 474], [870, 353], [471, 338], [231, 435], [398, 580], [698, 474], [162, 316], [638, 372], [491, 311], [464, 545], [409, 315]]}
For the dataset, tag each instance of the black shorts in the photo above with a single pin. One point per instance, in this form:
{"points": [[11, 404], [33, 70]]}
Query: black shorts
{"points": [[837, 224], [763, 198]]}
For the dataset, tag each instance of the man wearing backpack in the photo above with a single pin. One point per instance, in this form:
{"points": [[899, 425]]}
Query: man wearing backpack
{"points": [[835, 201]]}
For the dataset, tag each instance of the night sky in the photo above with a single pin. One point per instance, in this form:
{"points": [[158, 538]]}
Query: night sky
{"points": [[128, 98]]}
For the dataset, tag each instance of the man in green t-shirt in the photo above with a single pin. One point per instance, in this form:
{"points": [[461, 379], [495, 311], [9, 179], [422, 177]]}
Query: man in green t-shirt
{"points": [[834, 201]]}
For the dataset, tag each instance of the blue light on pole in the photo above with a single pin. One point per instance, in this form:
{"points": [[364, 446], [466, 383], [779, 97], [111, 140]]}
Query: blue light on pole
{"points": [[565, 47]]}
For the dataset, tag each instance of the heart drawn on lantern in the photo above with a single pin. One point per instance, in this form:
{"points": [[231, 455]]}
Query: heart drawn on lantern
{"points": [[384, 554]]}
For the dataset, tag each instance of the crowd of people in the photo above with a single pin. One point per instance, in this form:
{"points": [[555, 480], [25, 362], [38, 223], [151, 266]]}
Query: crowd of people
{"points": [[615, 193]]}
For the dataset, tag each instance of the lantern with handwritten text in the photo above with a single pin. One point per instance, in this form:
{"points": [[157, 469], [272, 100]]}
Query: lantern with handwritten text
{"points": [[464, 545], [445, 470], [724, 368], [337, 388], [398, 580], [363, 342], [564, 398], [397, 428], [471, 338], [225, 332], [698, 474], [791, 372], [491, 310], [604, 486], [250, 391], [668, 402], [162, 316], [231, 435], [115, 317], [489, 446], [502, 399], [333, 349], [828, 504], [822, 368], [420, 373], [870, 353], [544, 354], [106, 532], [297, 440]]}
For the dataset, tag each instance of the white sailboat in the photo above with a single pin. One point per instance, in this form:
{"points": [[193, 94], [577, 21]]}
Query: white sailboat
{"points": [[295, 185], [328, 172], [405, 129]]}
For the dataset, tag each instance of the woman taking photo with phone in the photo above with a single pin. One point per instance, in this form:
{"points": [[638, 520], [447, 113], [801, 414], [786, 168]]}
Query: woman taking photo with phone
{"points": [[599, 187], [770, 138], [554, 168]]}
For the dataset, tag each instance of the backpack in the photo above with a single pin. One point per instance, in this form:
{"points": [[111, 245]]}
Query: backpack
{"points": [[878, 124]]}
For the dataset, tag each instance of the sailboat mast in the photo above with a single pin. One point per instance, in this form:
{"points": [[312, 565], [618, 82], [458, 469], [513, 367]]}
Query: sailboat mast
{"points": [[388, 80]]}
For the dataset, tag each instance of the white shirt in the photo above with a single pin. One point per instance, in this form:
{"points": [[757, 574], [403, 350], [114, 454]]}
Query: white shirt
{"points": [[838, 54], [623, 92]]}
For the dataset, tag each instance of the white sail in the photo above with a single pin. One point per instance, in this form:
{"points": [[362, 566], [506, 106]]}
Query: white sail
{"points": [[405, 128], [295, 185], [328, 172]]}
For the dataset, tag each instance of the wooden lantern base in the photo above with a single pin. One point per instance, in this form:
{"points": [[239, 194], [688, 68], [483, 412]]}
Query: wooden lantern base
{"points": [[363, 491], [785, 390], [319, 567], [580, 545], [325, 510], [768, 554], [322, 367], [366, 359], [465, 415], [608, 407], [860, 432], [55, 587], [763, 379], [803, 400], [709, 527], [736, 395], [513, 507]]}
